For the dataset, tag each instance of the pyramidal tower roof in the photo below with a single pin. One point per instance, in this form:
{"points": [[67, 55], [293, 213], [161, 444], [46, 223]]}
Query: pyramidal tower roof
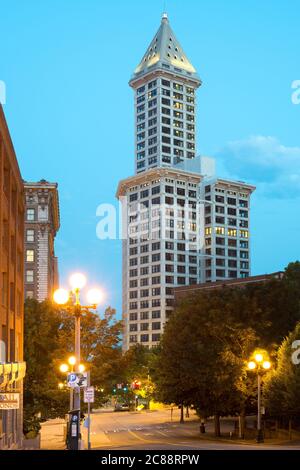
{"points": [[165, 53]]}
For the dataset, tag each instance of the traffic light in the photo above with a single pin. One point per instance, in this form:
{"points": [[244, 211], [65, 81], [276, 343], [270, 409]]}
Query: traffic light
{"points": [[136, 385]]}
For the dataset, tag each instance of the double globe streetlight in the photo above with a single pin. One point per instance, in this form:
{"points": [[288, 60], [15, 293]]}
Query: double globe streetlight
{"points": [[260, 364], [70, 300]]}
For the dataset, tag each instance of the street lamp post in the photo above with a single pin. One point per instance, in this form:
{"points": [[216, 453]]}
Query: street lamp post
{"points": [[65, 368], [260, 365], [64, 298]]}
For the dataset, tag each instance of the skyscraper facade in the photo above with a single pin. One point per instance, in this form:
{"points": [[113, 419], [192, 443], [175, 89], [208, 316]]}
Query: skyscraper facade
{"points": [[183, 224]]}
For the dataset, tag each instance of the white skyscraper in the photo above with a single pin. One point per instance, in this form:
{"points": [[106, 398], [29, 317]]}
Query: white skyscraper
{"points": [[184, 225]]}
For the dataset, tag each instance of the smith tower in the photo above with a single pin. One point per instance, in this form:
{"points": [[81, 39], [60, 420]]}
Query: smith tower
{"points": [[165, 82], [183, 225]]}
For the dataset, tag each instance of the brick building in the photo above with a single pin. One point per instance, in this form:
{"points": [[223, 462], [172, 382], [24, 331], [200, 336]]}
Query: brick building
{"points": [[12, 367]]}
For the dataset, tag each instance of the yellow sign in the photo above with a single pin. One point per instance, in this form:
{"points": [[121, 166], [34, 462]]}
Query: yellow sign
{"points": [[9, 401]]}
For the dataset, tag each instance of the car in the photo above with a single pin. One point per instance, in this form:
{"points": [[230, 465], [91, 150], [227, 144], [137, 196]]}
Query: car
{"points": [[121, 407]]}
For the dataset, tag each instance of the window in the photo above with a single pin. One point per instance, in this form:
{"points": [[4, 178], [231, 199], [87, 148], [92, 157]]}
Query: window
{"points": [[156, 280], [169, 246], [156, 291], [156, 326], [133, 338], [133, 197], [144, 316], [29, 294], [177, 86], [231, 201], [133, 327], [156, 337], [243, 203], [156, 314], [132, 305], [29, 275], [244, 233], [144, 326], [220, 273], [30, 256], [30, 214], [30, 235]]}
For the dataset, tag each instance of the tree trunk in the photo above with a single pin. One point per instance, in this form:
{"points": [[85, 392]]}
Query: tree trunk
{"points": [[182, 413], [242, 424], [187, 413], [217, 425]]}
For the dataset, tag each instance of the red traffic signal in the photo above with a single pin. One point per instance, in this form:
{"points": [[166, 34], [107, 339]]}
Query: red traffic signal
{"points": [[136, 385]]}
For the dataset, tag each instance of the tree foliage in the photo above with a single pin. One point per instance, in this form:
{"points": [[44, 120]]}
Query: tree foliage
{"points": [[211, 335], [49, 341]]}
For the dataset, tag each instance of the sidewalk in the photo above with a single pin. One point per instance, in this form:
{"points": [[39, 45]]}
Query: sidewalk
{"points": [[52, 435]]}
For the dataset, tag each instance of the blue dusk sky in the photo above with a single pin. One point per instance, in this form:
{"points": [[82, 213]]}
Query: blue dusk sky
{"points": [[66, 66]]}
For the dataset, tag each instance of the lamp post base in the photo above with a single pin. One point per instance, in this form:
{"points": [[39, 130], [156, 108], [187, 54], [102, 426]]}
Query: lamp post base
{"points": [[260, 436]]}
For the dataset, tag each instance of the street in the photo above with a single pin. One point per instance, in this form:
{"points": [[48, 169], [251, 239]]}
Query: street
{"points": [[146, 431]]}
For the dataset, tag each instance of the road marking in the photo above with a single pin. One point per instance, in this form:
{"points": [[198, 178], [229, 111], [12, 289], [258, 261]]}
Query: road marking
{"points": [[137, 437], [163, 433]]}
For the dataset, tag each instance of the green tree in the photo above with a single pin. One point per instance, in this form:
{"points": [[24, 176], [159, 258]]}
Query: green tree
{"points": [[282, 386], [49, 341], [41, 396]]}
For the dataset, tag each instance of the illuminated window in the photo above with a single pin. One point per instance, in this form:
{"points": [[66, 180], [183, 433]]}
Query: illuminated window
{"points": [[231, 232], [177, 105], [220, 230], [30, 256], [208, 231], [244, 233]]}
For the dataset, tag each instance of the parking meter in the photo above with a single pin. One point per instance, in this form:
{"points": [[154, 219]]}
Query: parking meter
{"points": [[74, 430]]}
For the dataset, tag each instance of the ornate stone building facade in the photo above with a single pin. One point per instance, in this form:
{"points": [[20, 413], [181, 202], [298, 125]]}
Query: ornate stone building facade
{"points": [[12, 367], [41, 225]]}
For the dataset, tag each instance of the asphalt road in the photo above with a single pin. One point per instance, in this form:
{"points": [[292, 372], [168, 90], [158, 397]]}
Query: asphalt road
{"points": [[153, 430]]}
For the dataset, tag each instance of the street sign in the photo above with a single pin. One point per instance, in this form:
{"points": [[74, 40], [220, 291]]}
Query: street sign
{"points": [[9, 401], [89, 395], [77, 379]]}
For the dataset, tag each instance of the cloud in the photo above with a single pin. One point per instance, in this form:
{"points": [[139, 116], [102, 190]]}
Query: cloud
{"points": [[264, 161]]}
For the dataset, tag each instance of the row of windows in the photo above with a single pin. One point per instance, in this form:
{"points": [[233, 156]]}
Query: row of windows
{"points": [[230, 211], [230, 242], [166, 112], [144, 338], [144, 315], [231, 274], [165, 92], [176, 125], [228, 221], [231, 201], [231, 253], [165, 140], [229, 263], [166, 102], [230, 232], [145, 326], [167, 83]]}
